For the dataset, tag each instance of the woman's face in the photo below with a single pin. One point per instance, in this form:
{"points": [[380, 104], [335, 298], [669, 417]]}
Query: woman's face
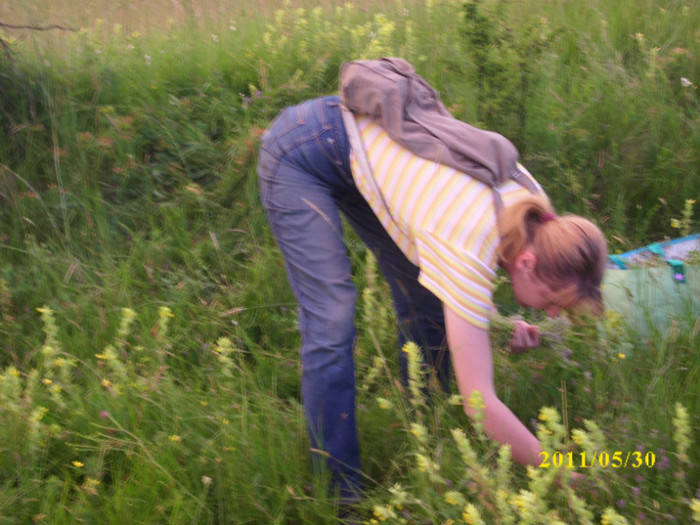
{"points": [[533, 293], [528, 289]]}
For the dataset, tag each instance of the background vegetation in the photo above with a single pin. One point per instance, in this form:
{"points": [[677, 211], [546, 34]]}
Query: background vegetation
{"points": [[149, 370]]}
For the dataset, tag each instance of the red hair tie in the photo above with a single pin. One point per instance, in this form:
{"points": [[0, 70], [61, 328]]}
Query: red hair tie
{"points": [[546, 217]]}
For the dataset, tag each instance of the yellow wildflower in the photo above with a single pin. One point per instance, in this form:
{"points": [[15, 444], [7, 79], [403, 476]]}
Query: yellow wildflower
{"points": [[175, 438], [78, 464], [399, 495], [454, 498], [165, 312], [384, 512], [681, 432], [621, 355], [46, 381], [90, 486], [384, 403], [455, 399], [610, 517], [37, 415], [476, 401], [695, 507], [471, 515], [418, 430], [423, 462]]}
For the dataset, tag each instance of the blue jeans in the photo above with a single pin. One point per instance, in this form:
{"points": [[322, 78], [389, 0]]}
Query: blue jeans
{"points": [[305, 181]]}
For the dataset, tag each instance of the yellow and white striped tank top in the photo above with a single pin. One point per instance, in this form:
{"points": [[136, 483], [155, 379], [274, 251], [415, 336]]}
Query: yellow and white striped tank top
{"points": [[443, 220]]}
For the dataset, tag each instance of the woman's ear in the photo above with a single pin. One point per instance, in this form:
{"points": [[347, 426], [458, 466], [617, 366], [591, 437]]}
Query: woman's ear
{"points": [[526, 260]]}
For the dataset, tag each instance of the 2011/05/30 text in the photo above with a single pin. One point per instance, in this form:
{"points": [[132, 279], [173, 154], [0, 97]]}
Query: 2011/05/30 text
{"points": [[604, 459]]}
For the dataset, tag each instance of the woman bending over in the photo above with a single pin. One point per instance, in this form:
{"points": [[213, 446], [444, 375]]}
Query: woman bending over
{"points": [[438, 236]]}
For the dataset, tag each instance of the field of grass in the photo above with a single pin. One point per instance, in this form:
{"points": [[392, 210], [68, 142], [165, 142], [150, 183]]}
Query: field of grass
{"points": [[148, 368]]}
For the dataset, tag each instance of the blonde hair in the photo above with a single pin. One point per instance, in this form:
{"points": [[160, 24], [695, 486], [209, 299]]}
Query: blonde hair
{"points": [[571, 251]]}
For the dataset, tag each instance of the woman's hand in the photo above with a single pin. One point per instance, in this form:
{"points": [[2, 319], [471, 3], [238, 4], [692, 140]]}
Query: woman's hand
{"points": [[524, 337]]}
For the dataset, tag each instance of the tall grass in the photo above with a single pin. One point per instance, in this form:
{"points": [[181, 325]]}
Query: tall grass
{"points": [[149, 369]]}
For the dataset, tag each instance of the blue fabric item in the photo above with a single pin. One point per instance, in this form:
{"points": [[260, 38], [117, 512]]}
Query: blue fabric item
{"points": [[655, 298], [618, 261], [627, 260], [662, 246], [305, 182]]}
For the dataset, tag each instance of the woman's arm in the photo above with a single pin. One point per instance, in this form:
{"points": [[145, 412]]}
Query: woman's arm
{"points": [[473, 363]]}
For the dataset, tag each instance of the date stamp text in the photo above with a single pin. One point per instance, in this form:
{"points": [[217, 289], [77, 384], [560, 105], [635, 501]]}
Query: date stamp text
{"points": [[603, 459]]}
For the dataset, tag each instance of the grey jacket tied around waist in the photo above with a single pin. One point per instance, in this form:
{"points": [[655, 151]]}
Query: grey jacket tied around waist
{"points": [[391, 92]]}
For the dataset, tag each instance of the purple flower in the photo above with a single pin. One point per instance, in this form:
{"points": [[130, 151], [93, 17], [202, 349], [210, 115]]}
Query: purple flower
{"points": [[636, 492], [104, 414], [663, 462], [621, 503], [679, 277]]}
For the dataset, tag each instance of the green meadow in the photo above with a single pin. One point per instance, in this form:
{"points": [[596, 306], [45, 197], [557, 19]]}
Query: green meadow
{"points": [[148, 338]]}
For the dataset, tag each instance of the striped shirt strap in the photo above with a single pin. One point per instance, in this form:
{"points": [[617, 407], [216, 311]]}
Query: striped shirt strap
{"points": [[358, 147]]}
